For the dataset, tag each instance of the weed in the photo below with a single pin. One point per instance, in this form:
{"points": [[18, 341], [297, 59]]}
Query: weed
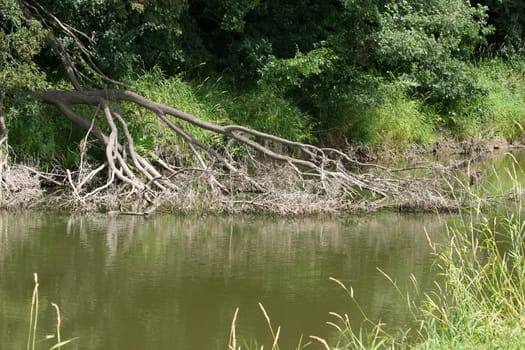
{"points": [[479, 299], [33, 322]]}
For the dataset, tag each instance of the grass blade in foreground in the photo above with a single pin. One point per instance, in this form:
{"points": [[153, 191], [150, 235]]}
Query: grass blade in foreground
{"points": [[33, 318]]}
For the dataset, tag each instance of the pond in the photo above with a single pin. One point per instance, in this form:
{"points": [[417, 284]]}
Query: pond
{"points": [[169, 282]]}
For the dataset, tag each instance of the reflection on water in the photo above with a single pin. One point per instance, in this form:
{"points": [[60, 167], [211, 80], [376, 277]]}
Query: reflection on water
{"points": [[174, 283], [499, 173]]}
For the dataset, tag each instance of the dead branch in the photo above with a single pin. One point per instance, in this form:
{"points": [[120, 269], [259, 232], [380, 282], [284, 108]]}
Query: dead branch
{"points": [[332, 170]]}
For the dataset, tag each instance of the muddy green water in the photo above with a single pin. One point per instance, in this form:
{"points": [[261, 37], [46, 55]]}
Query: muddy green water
{"points": [[167, 282]]}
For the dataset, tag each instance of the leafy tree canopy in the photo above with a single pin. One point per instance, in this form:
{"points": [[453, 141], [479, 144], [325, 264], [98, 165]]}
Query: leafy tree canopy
{"points": [[20, 40], [508, 19], [328, 57]]}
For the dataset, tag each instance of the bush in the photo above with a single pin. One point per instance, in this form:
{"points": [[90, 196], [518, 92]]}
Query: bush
{"points": [[40, 133], [427, 44]]}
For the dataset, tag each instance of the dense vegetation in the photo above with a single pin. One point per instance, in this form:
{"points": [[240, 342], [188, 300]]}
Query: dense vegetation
{"points": [[382, 72], [169, 90], [479, 301]]}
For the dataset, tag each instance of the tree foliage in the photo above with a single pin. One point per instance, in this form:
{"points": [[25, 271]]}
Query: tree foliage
{"points": [[123, 35], [508, 18], [20, 40], [428, 42], [327, 58]]}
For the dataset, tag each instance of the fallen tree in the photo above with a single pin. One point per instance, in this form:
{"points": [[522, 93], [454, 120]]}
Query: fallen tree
{"points": [[332, 171], [306, 179], [300, 178]]}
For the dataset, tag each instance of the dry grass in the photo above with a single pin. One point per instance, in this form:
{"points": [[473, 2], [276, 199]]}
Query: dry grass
{"points": [[19, 188], [271, 189]]}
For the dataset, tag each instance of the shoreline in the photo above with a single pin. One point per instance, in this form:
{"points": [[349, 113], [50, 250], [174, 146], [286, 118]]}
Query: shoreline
{"points": [[24, 187]]}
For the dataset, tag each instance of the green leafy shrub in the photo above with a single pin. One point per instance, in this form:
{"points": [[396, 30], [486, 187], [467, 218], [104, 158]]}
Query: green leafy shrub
{"points": [[426, 43]]}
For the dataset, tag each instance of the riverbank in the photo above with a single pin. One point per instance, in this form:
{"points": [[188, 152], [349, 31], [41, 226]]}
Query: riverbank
{"points": [[396, 153], [423, 176], [477, 300]]}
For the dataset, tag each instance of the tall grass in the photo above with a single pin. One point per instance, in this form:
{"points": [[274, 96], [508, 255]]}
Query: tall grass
{"points": [[33, 323], [399, 121], [479, 298], [478, 301], [481, 302], [215, 101], [404, 118], [505, 102], [236, 343], [149, 132]]}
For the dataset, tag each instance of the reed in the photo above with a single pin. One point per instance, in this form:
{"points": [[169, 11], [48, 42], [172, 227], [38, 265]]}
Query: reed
{"points": [[365, 334], [33, 322], [480, 304], [232, 345], [253, 344], [60, 343], [275, 335], [33, 316]]}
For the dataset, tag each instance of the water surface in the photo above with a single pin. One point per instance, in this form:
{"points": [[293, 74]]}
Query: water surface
{"points": [[168, 282]]}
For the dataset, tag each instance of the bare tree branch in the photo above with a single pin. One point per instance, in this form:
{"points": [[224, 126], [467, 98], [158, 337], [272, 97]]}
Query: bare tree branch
{"points": [[331, 169]]}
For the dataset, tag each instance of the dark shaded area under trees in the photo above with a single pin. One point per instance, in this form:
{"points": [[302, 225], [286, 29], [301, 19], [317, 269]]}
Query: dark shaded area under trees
{"points": [[329, 59]]}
